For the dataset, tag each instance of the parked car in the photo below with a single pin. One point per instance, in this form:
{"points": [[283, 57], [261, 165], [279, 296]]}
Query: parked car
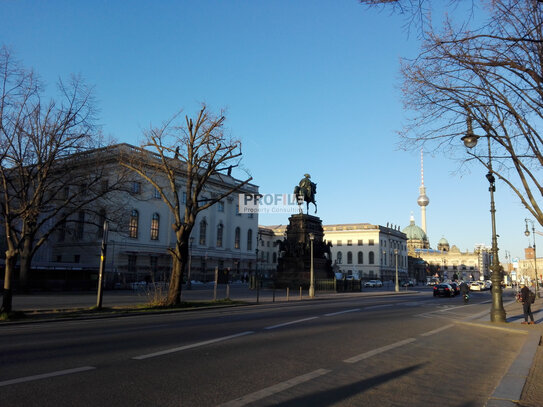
{"points": [[443, 290], [456, 288], [407, 283], [373, 283]]}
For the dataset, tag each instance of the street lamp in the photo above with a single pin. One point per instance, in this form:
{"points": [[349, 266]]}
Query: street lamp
{"points": [[527, 233], [497, 312], [397, 286], [311, 272], [189, 284]]}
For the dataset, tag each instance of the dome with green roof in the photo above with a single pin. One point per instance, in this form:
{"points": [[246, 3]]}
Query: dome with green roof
{"points": [[414, 232]]}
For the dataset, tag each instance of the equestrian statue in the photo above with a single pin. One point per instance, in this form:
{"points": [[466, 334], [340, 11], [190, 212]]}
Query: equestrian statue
{"points": [[306, 191]]}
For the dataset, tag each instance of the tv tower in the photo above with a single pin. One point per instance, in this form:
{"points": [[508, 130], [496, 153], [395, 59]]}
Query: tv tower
{"points": [[423, 200]]}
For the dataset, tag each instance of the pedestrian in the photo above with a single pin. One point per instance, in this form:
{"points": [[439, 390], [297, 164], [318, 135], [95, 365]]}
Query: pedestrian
{"points": [[526, 304]]}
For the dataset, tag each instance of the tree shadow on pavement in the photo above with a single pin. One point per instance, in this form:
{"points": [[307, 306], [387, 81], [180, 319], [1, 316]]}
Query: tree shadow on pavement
{"points": [[332, 396]]}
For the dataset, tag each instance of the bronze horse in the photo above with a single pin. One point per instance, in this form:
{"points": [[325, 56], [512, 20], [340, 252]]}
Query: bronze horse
{"points": [[306, 192]]}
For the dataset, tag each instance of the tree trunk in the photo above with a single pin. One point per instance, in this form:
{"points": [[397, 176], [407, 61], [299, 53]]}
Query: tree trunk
{"points": [[179, 256], [24, 264], [8, 291]]}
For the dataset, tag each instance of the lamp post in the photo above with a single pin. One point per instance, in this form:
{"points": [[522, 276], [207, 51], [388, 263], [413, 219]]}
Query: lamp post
{"points": [[397, 286], [497, 312], [527, 233], [189, 283], [311, 271]]}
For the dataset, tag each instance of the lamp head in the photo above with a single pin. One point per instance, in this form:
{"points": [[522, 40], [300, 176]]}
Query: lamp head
{"points": [[470, 139]]}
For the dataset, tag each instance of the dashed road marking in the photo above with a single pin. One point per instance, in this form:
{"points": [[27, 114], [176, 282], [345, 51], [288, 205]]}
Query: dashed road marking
{"points": [[191, 346], [382, 349], [290, 323], [46, 375], [270, 391]]}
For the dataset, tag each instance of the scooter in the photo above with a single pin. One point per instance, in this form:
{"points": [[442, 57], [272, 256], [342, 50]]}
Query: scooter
{"points": [[466, 298]]}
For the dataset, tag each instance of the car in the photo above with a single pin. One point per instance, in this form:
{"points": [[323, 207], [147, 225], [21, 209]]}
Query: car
{"points": [[456, 287], [407, 283], [373, 283], [443, 290], [476, 286]]}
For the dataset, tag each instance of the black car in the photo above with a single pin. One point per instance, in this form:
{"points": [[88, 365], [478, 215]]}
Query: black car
{"points": [[443, 290], [456, 288]]}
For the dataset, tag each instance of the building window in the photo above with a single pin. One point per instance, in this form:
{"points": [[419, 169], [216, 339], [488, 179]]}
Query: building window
{"points": [[371, 258], [203, 231], [62, 230], [338, 243], [135, 188], [349, 242], [132, 259], [154, 264], [155, 221], [133, 225], [339, 257], [237, 238], [359, 242], [274, 257], [250, 239], [184, 198], [349, 257], [156, 194], [220, 229], [220, 206], [77, 258], [80, 225], [370, 242], [360, 258], [101, 221]]}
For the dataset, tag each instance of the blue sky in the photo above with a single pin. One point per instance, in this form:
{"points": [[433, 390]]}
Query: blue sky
{"points": [[309, 86]]}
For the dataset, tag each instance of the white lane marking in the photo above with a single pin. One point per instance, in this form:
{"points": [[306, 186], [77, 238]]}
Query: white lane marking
{"points": [[374, 352], [290, 323], [46, 375], [270, 391], [435, 331], [194, 345], [341, 312], [380, 306]]}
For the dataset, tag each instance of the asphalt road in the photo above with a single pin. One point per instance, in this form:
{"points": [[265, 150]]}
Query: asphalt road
{"points": [[358, 351]]}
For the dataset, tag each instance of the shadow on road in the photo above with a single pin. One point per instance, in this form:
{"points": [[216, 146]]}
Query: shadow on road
{"points": [[329, 397]]}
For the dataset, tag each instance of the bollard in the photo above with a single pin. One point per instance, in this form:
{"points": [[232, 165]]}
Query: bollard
{"points": [[228, 291], [288, 292], [273, 297], [300, 293]]}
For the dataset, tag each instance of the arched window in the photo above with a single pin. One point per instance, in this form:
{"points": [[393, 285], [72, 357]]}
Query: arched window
{"points": [[349, 257], [360, 258], [339, 257], [250, 239], [155, 221], [274, 257], [220, 229], [133, 224], [372, 258], [203, 231], [237, 238]]}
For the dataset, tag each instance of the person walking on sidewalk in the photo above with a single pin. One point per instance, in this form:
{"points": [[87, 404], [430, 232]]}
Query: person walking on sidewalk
{"points": [[525, 295]]}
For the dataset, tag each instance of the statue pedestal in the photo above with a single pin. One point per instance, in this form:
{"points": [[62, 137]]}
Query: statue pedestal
{"points": [[294, 266]]}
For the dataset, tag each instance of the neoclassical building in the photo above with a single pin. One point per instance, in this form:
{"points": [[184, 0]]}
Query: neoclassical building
{"points": [[140, 236], [359, 250]]}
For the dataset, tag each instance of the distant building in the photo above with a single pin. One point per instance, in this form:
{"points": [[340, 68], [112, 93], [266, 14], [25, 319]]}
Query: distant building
{"points": [[359, 250]]}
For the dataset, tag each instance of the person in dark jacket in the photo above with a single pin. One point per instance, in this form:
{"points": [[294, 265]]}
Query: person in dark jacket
{"points": [[526, 304]]}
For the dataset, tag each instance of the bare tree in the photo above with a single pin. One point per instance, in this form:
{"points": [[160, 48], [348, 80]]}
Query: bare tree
{"points": [[40, 186], [190, 159], [491, 80]]}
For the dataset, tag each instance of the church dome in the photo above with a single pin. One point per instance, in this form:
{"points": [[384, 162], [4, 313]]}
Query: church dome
{"points": [[443, 241], [414, 232]]}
